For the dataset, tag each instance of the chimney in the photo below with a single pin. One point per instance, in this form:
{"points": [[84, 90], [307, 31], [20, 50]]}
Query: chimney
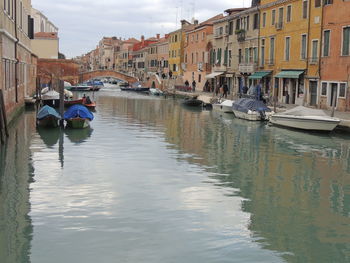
{"points": [[158, 36], [142, 39], [195, 22]]}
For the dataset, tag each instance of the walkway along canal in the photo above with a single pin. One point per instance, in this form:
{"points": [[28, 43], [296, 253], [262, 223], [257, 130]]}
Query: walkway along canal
{"points": [[152, 181]]}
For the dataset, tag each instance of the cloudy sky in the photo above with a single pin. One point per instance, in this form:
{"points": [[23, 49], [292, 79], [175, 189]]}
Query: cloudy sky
{"points": [[82, 23]]}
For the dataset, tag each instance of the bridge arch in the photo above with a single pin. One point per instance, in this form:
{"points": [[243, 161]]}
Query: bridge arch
{"points": [[85, 76]]}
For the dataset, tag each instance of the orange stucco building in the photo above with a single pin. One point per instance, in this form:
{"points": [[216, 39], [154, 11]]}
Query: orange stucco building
{"points": [[335, 61], [197, 47]]}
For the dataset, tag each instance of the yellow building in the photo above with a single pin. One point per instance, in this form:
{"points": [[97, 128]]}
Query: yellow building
{"points": [[176, 48], [290, 33]]}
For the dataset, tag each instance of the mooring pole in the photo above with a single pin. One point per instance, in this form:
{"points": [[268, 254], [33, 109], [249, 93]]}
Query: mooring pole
{"points": [[2, 102], [61, 91]]}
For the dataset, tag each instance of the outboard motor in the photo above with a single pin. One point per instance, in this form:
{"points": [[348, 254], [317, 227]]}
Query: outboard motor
{"points": [[262, 113]]}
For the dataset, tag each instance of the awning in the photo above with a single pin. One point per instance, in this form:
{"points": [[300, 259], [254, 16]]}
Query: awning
{"points": [[259, 74], [213, 75], [289, 74]]}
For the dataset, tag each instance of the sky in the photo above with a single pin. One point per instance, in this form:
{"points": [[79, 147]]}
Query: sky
{"points": [[82, 23]]}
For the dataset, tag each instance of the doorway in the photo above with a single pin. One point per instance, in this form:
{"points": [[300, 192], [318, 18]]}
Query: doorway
{"points": [[313, 93], [334, 94]]}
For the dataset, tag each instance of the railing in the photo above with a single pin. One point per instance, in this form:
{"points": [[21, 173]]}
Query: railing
{"points": [[279, 25], [247, 67], [240, 36], [313, 61], [270, 62]]}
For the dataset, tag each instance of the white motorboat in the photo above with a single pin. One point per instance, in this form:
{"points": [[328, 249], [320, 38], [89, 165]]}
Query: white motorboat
{"points": [[251, 110], [225, 106], [155, 92], [306, 119]]}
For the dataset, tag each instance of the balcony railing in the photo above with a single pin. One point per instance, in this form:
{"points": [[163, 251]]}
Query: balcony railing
{"points": [[270, 62], [240, 35], [313, 61], [247, 67], [279, 25]]}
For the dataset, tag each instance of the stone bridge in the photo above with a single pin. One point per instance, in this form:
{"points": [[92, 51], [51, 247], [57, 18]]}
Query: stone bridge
{"points": [[106, 73]]}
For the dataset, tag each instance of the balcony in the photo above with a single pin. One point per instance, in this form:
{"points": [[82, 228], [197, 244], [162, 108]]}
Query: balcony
{"points": [[313, 61], [247, 67], [270, 62], [279, 25], [240, 35]]}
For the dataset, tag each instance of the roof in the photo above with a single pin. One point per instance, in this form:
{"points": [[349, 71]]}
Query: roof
{"points": [[47, 35]]}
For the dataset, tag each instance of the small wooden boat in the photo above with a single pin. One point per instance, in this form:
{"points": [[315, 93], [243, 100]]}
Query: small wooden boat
{"points": [[68, 103], [225, 106], [192, 102], [251, 110], [51, 98], [78, 117], [48, 117], [156, 92], [137, 89], [91, 106], [82, 87]]}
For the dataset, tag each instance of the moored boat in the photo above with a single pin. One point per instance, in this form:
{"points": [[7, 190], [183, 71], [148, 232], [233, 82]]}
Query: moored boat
{"points": [[250, 109], [155, 92], [51, 98], [68, 103], [82, 87], [78, 117], [306, 119], [192, 102], [48, 117], [225, 106]]}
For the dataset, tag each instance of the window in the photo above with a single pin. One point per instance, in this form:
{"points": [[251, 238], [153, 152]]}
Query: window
{"points": [[248, 21], [239, 56], [317, 3], [203, 35], [280, 15], [342, 90], [272, 49], [324, 89], [264, 19], [262, 61], [203, 57], [287, 49], [305, 4], [273, 17], [199, 78], [346, 41], [289, 13], [192, 58], [255, 55], [314, 50], [230, 28], [303, 46], [256, 21], [328, 2], [175, 38], [246, 56], [326, 35]]}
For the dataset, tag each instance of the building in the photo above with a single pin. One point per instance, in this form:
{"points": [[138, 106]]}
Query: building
{"points": [[163, 55], [18, 63], [335, 56], [198, 44], [46, 42], [124, 56], [176, 48], [290, 35]]}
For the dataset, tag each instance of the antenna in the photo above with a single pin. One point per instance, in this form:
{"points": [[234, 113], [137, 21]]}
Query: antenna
{"points": [[177, 9]]}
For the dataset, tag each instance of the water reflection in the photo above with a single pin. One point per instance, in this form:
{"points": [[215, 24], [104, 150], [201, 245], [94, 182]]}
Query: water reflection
{"points": [[49, 136], [78, 136], [16, 172], [296, 185]]}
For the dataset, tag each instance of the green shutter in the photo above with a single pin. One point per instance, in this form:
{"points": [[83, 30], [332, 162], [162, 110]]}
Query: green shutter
{"points": [[225, 57], [346, 40]]}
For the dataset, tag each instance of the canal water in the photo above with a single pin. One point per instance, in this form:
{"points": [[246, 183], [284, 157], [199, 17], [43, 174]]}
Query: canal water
{"points": [[153, 181]]}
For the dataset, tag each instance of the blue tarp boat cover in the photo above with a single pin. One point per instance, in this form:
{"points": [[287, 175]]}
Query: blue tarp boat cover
{"points": [[78, 110], [245, 104], [47, 111]]}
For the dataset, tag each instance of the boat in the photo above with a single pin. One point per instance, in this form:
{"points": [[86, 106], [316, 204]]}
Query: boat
{"points": [[136, 87], [68, 93], [96, 85], [51, 98], [192, 102], [251, 109], [155, 92], [81, 87], [48, 117], [91, 106], [78, 117], [225, 106], [68, 103], [306, 119]]}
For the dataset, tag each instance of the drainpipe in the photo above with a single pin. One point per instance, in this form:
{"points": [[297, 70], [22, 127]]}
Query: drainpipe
{"points": [[307, 49], [320, 56], [16, 55]]}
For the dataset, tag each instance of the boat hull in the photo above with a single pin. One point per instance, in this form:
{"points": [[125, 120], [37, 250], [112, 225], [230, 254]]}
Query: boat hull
{"points": [[134, 89], [48, 122], [192, 103], [78, 123], [222, 108], [246, 116], [305, 123]]}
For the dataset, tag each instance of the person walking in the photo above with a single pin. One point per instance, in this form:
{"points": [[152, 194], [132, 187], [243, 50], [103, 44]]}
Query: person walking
{"points": [[193, 86], [225, 90]]}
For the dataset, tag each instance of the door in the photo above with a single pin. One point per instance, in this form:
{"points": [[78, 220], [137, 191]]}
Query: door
{"points": [[313, 93], [334, 94]]}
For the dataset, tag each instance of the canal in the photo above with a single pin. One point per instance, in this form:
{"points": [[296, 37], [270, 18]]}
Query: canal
{"points": [[152, 181]]}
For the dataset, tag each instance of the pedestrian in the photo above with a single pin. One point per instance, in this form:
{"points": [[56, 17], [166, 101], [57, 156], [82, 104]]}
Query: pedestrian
{"points": [[225, 90], [187, 84], [170, 74], [193, 86]]}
